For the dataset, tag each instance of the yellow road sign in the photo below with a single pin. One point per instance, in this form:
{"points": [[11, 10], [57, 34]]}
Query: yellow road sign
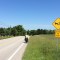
{"points": [[56, 23], [57, 33]]}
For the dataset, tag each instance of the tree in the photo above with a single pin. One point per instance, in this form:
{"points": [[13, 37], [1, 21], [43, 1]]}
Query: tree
{"points": [[44, 31], [28, 32], [38, 31], [2, 32], [8, 31], [14, 32], [20, 30], [33, 32]]}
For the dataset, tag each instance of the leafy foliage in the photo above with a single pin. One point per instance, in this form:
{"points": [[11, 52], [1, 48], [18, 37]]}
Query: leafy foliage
{"points": [[19, 30], [40, 31], [14, 31]]}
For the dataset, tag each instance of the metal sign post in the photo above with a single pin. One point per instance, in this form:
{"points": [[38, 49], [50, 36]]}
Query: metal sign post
{"points": [[57, 35], [57, 44], [56, 24], [57, 48]]}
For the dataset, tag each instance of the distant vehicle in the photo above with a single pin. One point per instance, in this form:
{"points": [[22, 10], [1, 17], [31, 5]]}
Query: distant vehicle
{"points": [[26, 38]]}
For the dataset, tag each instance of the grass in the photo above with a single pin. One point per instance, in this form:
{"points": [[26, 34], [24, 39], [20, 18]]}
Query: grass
{"points": [[4, 37], [42, 47]]}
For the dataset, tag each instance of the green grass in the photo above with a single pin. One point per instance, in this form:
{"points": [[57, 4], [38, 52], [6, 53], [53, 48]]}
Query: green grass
{"points": [[42, 47], [4, 37]]}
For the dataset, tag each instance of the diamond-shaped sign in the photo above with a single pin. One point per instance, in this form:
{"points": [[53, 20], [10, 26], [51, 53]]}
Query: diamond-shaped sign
{"points": [[56, 23]]}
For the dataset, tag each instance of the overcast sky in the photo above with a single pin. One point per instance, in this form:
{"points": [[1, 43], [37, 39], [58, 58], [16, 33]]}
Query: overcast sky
{"points": [[32, 14]]}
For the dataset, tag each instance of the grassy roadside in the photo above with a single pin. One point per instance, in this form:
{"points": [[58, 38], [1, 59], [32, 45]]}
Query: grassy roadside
{"points": [[4, 37], [42, 47]]}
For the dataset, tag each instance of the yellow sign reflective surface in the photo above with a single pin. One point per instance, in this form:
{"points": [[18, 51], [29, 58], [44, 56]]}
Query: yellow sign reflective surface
{"points": [[57, 33], [56, 23]]}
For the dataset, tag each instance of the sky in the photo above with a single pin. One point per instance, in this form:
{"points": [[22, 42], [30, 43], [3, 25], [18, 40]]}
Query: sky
{"points": [[32, 14]]}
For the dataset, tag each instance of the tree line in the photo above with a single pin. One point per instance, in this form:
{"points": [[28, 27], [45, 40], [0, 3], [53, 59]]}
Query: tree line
{"points": [[12, 31], [19, 30], [40, 31]]}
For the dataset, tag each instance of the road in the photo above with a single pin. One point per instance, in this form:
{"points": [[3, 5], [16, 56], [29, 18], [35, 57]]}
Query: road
{"points": [[12, 48]]}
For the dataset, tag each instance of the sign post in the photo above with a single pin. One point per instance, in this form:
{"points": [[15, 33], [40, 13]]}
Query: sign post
{"points": [[56, 24]]}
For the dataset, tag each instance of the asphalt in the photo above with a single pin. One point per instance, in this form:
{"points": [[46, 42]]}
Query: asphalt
{"points": [[12, 48]]}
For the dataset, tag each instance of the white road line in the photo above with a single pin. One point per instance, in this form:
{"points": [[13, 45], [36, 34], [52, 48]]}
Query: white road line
{"points": [[16, 51]]}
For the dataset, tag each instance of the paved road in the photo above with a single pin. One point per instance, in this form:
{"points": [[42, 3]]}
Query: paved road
{"points": [[12, 48]]}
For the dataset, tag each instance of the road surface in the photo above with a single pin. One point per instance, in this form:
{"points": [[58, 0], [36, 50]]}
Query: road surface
{"points": [[12, 48]]}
